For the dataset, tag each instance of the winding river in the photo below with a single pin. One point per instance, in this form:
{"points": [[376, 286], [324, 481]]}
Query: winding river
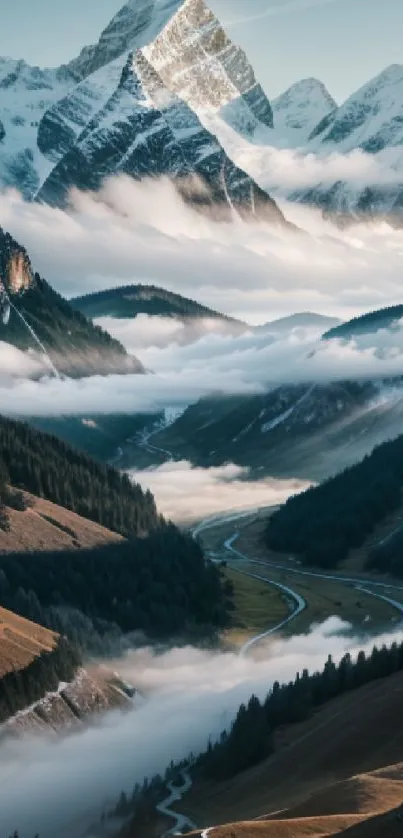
{"points": [[182, 822]]}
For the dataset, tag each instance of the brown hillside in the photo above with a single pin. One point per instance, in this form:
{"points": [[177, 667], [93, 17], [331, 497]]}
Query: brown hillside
{"points": [[46, 526], [363, 794], [356, 733], [21, 641], [380, 826], [299, 828]]}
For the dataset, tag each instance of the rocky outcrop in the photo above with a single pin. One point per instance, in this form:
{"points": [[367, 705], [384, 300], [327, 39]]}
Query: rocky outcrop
{"points": [[15, 268], [34, 317], [69, 707]]}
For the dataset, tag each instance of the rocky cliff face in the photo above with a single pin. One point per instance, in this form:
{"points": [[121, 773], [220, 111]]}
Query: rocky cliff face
{"points": [[146, 130], [33, 317], [15, 268], [70, 707], [196, 59]]}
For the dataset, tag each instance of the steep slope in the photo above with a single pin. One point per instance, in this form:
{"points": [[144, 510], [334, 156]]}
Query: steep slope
{"points": [[43, 525], [42, 685], [130, 300], [370, 119], [135, 24], [186, 45], [358, 733], [34, 317], [196, 59], [255, 430], [325, 523], [369, 323], [26, 93], [299, 110], [101, 587], [144, 130], [44, 466], [33, 660]]}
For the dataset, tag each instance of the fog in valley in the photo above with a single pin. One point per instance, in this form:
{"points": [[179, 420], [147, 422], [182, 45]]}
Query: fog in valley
{"points": [[188, 696]]}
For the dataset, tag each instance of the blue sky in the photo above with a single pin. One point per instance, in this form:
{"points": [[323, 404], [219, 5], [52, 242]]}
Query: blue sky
{"points": [[342, 42]]}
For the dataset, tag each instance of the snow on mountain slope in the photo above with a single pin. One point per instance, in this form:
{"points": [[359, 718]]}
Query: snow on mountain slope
{"points": [[371, 119], [100, 67], [299, 110], [135, 24], [145, 130], [196, 59], [370, 122], [63, 123], [25, 94], [190, 51]]}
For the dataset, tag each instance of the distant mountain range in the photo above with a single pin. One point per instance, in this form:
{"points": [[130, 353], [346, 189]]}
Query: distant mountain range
{"points": [[36, 319], [164, 91]]}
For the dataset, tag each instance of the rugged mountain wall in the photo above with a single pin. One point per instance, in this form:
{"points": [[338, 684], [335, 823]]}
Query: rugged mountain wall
{"points": [[145, 130], [34, 317]]}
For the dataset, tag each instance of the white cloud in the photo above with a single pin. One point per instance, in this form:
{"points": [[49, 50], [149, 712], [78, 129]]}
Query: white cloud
{"points": [[63, 785], [184, 492], [17, 364], [247, 364], [141, 232]]}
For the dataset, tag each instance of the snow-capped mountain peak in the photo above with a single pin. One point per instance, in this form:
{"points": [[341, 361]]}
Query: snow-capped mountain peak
{"points": [[134, 25], [299, 110], [144, 101], [197, 60], [371, 119]]}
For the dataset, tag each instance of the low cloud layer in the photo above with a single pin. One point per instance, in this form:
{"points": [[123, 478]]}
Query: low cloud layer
{"points": [[184, 492], [61, 787], [142, 232], [247, 364]]}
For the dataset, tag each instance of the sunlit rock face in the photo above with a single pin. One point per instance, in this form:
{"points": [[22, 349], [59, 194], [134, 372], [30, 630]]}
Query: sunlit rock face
{"points": [[147, 100], [15, 267], [197, 60]]}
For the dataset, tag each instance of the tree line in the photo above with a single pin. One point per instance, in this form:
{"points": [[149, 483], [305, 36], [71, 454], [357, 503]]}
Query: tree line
{"points": [[324, 523], [250, 738], [52, 469], [160, 585], [22, 687]]}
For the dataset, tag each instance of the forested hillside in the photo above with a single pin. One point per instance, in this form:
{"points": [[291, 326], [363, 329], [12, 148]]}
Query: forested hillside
{"points": [[250, 738], [160, 585], [156, 581], [50, 468], [75, 346], [382, 318], [130, 300], [24, 681], [324, 523]]}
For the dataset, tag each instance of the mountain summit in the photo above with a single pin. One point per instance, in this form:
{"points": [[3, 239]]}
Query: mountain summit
{"points": [[142, 102]]}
